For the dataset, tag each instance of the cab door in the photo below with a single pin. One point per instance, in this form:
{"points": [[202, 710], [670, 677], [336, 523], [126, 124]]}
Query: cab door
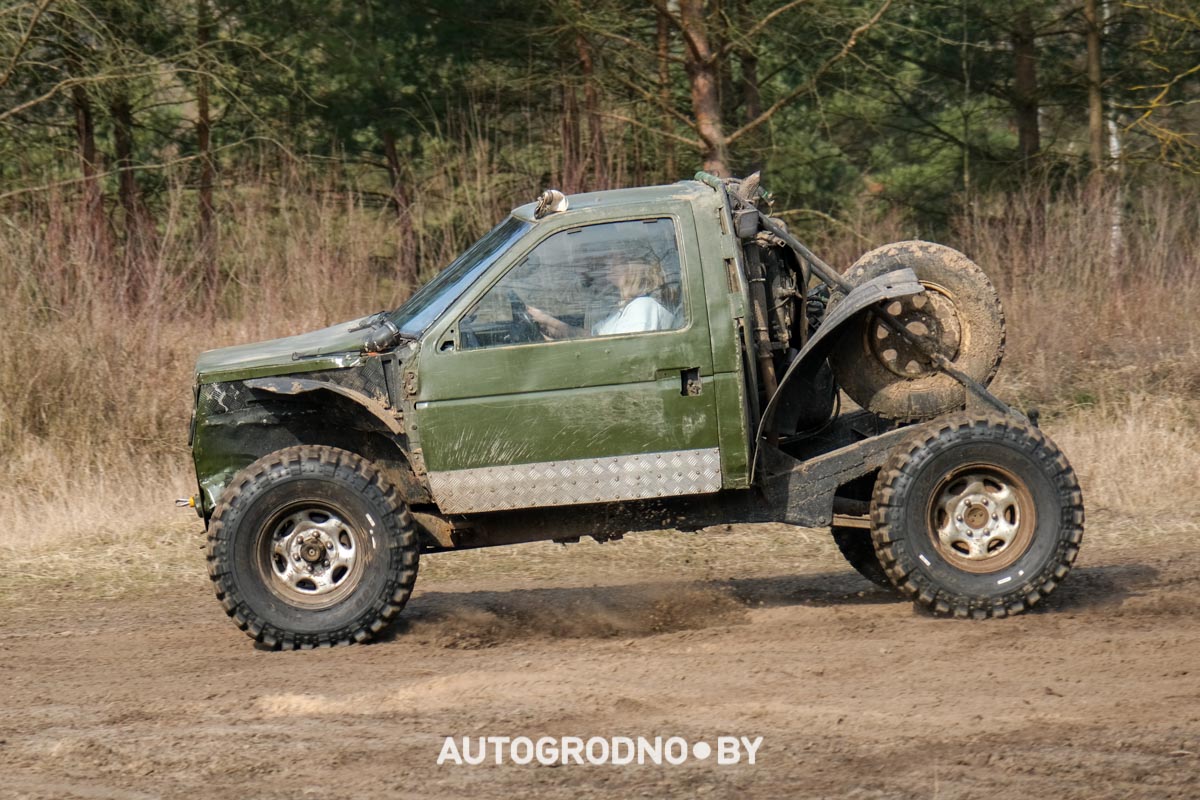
{"points": [[513, 414]]}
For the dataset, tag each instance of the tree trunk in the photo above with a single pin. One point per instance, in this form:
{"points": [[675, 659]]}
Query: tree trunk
{"points": [[751, 96], [127, 187], [406, 248], [138, 227], [1117, 225], [85, 132], [718, 42], [570, 177], [1095, 100], [705, 87], [1030, 199], [662, 41], [207, 227], [597, 154], [1025, 87], [92, 207]]}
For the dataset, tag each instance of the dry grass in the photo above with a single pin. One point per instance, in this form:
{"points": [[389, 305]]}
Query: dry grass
{"points": [[1095, 316], [96, 376], [1137, 457]]}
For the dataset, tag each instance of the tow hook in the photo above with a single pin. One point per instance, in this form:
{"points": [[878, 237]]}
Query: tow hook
{"points": [[191, 502]]}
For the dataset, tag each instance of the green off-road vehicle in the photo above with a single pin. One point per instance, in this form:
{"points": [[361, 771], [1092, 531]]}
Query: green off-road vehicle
{"points": [[654, 358]]}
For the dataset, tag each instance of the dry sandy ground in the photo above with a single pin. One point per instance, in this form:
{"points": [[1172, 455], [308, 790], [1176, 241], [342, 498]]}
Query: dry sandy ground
{"points": [[748, 632]]}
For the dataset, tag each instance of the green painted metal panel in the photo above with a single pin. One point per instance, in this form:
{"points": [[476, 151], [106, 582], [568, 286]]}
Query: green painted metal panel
{"points": [[574, 398], [329, 348], [552, 401], [726, 294], [564, 424]]}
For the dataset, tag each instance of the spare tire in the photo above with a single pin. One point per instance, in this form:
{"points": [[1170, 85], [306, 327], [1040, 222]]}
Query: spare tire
{"points": [[960, 309]]}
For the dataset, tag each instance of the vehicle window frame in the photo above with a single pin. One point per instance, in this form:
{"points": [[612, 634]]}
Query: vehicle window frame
{"points": [[684, 290], [522, 228]]}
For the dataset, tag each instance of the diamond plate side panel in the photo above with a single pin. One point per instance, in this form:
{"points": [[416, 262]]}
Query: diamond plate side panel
{"points": [[222, 398], [586, 480], [367, 378]]}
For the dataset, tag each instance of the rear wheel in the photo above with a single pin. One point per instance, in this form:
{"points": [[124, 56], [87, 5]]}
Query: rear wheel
{"points": [[310, 546], [977, 516]]}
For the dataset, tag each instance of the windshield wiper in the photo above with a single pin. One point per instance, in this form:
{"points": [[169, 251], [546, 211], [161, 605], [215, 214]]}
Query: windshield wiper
{"points": [[384, 335]]}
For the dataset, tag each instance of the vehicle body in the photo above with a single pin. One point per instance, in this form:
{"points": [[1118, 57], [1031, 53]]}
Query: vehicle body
{"points": [[469, 427]]}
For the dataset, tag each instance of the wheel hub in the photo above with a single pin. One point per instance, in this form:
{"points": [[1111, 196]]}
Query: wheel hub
{"points": [[313, 550], [932, 315], [976, 516], [313, 556], [982, 519]]}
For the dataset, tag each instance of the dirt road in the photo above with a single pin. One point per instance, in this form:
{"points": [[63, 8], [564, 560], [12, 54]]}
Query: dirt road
{"points": [[746, 633]]}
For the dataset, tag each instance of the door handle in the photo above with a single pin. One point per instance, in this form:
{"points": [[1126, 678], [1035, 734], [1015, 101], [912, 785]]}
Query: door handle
{"points": [[690, 384]]}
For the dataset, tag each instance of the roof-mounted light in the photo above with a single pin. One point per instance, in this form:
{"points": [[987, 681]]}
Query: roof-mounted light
{"points": [[551, 201]]}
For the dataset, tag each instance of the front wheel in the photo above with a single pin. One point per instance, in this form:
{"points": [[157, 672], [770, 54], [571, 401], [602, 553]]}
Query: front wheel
{"points": [[977, 516], [311, 546]]}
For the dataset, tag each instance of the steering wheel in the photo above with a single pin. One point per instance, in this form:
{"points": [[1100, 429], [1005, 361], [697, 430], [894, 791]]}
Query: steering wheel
{"points": [[524, 329]]}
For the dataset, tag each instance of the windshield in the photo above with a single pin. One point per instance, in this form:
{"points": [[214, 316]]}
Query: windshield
{"points": [[420, 310]]}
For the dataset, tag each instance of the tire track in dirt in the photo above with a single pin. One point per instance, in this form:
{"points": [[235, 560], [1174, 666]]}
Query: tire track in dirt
{"points": [[1094, 695]]}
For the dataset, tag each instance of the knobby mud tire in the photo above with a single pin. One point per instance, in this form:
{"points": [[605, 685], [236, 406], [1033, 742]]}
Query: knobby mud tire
{"points": [[290, 478], [979, 324], [905, 494], [859, 551]]}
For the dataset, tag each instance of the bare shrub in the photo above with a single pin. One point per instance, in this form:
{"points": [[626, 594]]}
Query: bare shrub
{"points": [[1095, 311], [97, 379], [1136, 455]]}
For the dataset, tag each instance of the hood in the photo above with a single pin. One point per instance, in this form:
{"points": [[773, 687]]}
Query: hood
{"points": [[340, 345]]}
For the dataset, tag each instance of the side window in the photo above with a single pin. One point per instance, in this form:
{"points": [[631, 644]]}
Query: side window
{"points": [[596, 280]]}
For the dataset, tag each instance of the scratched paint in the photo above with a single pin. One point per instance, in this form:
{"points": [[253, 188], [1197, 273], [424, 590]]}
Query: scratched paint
{"points": [[566, 424]]}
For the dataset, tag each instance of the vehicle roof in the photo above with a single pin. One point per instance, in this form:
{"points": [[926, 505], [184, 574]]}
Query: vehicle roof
{"points": [[581, 204]]}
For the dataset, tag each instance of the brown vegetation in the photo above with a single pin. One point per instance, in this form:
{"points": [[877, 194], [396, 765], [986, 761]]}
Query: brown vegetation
{"points": [[1102, 333]]}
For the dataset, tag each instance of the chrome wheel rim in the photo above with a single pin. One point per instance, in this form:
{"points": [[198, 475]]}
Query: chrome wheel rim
{"points": [[310, 556], [981, 518]]}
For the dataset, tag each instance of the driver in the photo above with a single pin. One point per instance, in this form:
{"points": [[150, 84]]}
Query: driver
{"points": [[638, 311]]}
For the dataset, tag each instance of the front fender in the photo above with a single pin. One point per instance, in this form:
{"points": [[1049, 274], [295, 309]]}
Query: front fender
{"points": [[239, 422], [293, 386], [898, 283]]}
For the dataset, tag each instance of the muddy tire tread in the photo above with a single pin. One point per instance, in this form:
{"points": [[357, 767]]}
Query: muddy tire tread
{"points": [[882, 258], [896, 476], [327, 461], [857, 548]]}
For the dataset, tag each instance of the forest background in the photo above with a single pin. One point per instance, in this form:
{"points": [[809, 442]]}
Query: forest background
{"points": [[177, 175]]}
